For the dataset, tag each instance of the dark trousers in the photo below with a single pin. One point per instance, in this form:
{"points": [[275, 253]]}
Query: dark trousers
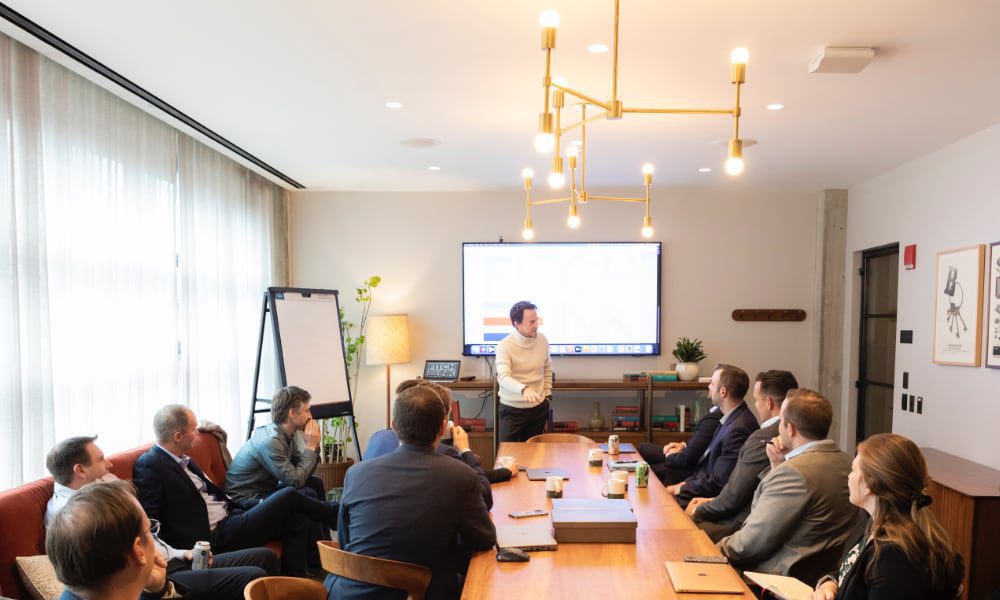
{"points": [[283, 515], [519, 424], [653, 454], [230, 573]]}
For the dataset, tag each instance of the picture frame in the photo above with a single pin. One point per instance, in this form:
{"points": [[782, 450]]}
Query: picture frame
{"points": [[993, 308], [958, 306]]}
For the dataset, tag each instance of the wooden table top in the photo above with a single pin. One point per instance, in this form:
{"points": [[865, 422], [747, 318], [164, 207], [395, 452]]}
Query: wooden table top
{"points": [[587, 570]]}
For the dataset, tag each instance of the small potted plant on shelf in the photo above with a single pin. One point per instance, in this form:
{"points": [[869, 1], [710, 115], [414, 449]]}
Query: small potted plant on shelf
{"points": [[688, 353]]}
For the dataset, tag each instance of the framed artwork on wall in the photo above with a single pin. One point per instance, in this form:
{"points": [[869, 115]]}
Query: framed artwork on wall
{"points": [[993, 314], [958, 306]]}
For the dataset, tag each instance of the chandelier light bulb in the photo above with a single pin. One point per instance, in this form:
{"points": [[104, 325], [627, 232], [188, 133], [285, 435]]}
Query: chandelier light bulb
{"points": [[556, 180], [647, 227], [527, 233], [734, 166], [527, 173], [545, 142], [573, 221], [740, 56], [549, 18], [560, 80], [648, 169], [572, 151]]}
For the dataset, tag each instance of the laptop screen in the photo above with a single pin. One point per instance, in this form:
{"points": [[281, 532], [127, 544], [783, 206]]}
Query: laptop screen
{"points": [[442, 370]]}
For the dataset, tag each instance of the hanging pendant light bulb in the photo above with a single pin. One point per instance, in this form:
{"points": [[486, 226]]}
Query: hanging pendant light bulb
{"points": [[647, 227], [573, 220], [734, 165]]}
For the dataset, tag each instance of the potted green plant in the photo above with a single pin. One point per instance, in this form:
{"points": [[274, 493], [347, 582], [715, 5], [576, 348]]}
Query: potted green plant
{"points": [[688, 353], [334, 461]]}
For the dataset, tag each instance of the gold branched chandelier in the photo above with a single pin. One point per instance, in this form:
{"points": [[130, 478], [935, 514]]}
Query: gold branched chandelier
{"points": [[551, 130]]}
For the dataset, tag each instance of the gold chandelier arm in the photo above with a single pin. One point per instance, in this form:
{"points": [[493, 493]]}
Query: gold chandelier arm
{"points": [[682, 111], [550, 201], [614, 199], [582, 96], [736, 114], [614, 63], [580, 123], [548, 79]]}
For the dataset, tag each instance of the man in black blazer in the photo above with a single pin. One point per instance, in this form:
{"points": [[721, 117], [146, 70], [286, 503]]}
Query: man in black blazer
{"points": [[728, 387], [724, 514], [677, 461], [191, 508], [413, 505]]}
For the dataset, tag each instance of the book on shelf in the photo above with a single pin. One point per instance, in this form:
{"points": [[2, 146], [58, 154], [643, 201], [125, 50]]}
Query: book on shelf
{"points": [[565, 426]]}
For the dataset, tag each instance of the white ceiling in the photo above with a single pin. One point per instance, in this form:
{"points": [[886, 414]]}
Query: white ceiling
{"points": [[302, 84]]}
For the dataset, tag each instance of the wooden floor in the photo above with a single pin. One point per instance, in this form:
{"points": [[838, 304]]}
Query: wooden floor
{"points": [[579, 571]]}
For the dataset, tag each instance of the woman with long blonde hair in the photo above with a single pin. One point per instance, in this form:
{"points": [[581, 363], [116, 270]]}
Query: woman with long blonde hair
{"points": [[903, 552]]}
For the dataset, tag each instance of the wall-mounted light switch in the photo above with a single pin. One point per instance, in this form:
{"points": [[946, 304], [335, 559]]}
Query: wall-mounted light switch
{"points": [[912, 402], [920, 405], [906, 379]]}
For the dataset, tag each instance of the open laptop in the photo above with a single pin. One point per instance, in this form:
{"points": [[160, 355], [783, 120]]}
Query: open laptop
{"points": [[526, 537], [704, 578], [442, 371], [540, 474]]}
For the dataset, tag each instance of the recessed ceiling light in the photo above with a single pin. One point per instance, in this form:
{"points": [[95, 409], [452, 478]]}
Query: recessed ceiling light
{"points": [[704, 170], [775, 106], [394, 105], [597, 48], [433, 168]]}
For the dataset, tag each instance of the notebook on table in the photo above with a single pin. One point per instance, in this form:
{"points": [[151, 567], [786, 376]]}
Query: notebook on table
{"points": [[704, 578], [540, 474], [785, 588], [526, 537], [623, 448]]}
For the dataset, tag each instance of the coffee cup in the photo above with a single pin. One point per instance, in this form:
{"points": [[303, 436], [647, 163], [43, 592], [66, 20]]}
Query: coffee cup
{"points": [[622, 476], [596, 457], [614, 489], [554, 486], [508, 462]]}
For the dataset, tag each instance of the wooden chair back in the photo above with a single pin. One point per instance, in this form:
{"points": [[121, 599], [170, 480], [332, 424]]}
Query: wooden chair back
{"points": [[561, 438], [411, 578], [284, 588]]}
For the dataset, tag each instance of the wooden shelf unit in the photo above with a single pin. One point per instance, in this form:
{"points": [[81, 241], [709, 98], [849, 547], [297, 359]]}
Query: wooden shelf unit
{"points": [[485, 443]]}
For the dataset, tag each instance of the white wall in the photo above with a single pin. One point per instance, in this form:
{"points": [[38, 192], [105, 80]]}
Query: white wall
{"points": [[721, 251], [944, 200]]}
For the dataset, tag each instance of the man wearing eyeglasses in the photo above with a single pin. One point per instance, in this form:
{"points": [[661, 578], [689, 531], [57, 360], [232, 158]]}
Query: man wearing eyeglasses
{"points": [[77, 461]]}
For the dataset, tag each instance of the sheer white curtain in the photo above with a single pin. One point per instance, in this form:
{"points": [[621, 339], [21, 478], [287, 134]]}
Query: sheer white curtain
{"points": [[132, 263]]}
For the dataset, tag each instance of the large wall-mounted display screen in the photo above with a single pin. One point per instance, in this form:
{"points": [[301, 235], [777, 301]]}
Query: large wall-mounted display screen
{"points": [[595, 298]]}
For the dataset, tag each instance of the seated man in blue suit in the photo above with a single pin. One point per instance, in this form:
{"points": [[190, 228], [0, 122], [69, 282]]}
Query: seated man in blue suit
{"points": [[677, 461], [191, 507], [101, 545], [413, 505], [728, 388]]}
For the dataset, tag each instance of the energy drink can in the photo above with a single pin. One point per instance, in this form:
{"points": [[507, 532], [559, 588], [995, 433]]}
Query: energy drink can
{"points": [[202, 552], [641, 474], [613, 444]]}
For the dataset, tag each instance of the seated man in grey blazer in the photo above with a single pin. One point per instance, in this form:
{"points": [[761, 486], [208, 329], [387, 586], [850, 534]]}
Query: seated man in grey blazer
{"points": [[413, 504], [801, 515], [722, 515]]}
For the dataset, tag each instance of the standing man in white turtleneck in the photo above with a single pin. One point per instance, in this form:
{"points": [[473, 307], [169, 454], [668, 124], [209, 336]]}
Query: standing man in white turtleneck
{"points": [[524, 374]]}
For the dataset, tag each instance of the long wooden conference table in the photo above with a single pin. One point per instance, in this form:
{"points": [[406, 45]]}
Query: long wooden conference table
{"points": [[608, 571]]}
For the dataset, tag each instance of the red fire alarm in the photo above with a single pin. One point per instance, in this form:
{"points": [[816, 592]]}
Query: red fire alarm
{"points": [[910, 257]]}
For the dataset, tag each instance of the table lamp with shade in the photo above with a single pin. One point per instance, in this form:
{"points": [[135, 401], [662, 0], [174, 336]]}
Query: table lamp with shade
{"points": [[387, 342]]}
